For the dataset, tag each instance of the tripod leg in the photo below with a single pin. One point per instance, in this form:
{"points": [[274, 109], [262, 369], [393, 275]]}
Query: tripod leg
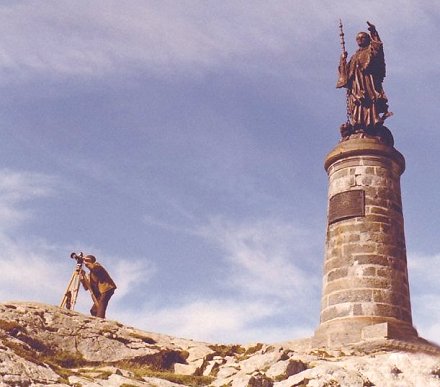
{"points": [[71, 293], [65, 302], [75, 289]]}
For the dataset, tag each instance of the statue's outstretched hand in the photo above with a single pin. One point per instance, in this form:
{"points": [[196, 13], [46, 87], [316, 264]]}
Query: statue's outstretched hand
{"points": [[371, 27]]}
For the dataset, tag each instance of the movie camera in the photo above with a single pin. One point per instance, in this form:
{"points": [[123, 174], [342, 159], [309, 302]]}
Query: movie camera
{"points": [[71, 293], [78, 257]]}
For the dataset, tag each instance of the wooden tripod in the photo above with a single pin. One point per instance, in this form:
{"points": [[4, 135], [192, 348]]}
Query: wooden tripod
{"points": [[71, 293]]}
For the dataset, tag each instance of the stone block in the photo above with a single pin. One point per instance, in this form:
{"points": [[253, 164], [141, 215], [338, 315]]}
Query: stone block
{"points": [[376, 331], [336, 311], [337, 273], [379, 218], [355, 237], [387, 310], [357, 310], [349, 283], [341, 173], [384, 272], [359, 249], [369, 271], [384, 296], [377, 210], [366, 181], [352, 295], [371, 259], [336, 262]]}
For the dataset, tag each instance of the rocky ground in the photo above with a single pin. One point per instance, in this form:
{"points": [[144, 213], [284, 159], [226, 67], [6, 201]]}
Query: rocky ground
{"points": [[44, 345]]}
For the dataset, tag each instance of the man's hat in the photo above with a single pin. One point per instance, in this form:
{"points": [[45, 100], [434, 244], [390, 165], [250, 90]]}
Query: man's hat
{"points": [[89, 259]]}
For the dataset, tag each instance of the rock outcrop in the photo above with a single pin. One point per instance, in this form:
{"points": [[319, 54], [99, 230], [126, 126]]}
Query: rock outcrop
{"points": [[44, 345]]}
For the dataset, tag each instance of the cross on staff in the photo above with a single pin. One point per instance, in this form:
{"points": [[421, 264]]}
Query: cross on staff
{"points": [[344, 53], [341, 34]]}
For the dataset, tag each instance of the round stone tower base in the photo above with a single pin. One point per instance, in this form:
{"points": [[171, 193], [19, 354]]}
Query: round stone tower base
{"points": [[355, 330], [365, 283]]}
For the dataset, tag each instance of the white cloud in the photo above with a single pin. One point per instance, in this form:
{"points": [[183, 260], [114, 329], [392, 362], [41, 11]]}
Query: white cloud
{"points": [[168, 37], [18, 187], [265, 257], [216, 320], [29, 272], [97, 38], [264, 278], [421, 274], [30, 266], [426, 315], [130, 272], [425, 289], [33, 269]]}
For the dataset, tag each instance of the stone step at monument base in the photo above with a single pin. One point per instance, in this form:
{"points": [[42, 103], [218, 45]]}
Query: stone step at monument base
{"points": [[355, 330]]}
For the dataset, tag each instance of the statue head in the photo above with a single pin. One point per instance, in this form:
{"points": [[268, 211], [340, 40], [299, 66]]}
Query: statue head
{"points": [[363, 39]]}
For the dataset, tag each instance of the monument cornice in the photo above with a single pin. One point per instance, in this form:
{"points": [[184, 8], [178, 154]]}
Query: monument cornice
{"points": [[364, 146]]}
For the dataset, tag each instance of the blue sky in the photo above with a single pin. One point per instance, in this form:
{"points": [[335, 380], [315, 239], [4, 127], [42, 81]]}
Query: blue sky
{"points": [[182, 143]]}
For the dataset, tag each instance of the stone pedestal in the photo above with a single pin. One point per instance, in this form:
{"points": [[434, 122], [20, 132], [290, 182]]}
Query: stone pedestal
{"points": [[365, 283]]}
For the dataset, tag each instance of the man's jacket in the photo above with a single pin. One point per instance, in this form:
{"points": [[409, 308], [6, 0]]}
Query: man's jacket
{"points": [[100, 280]]}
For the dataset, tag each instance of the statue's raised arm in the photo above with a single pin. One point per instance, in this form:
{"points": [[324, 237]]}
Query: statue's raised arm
{"points": [[373, 32], [362, 76]]}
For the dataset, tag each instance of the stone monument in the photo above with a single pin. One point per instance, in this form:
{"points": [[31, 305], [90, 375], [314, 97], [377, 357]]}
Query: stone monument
{"points": [[365, 281]]}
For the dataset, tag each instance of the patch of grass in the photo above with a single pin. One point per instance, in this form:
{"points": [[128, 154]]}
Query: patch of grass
{"points": [[160, 366], [24, 352], [280, 377], [186, 380], [260, 380], [215, 370], [251, 350], [321, 353], [112, 335], [39, 353], [68, 360], [162, 360], [436, 372], [15, 330], [303, 383], [35, 344], [64, 375], [95, 373], [227, 350], [11, 327], [145, 339], [247, 353]]}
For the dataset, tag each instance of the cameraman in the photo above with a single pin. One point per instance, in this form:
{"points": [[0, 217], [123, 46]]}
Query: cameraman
{"points": [[100, 284]]}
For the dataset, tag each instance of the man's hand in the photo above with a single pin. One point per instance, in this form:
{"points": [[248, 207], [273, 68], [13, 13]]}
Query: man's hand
{"points": [[344, 55], [84, 279]]}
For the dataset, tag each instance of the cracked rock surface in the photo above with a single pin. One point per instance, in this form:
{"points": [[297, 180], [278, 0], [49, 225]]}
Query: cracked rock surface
{"points": [[43, 345]]}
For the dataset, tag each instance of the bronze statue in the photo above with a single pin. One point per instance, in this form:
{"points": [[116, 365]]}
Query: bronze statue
{"points": [[367, 104]]}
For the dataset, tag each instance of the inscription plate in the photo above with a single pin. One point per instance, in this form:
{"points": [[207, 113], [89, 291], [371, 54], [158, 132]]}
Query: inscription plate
{"points": [[346, 205]]}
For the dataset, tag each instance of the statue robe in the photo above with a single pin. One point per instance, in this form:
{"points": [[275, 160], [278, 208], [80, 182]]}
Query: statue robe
{"points": [[363, 76]]}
